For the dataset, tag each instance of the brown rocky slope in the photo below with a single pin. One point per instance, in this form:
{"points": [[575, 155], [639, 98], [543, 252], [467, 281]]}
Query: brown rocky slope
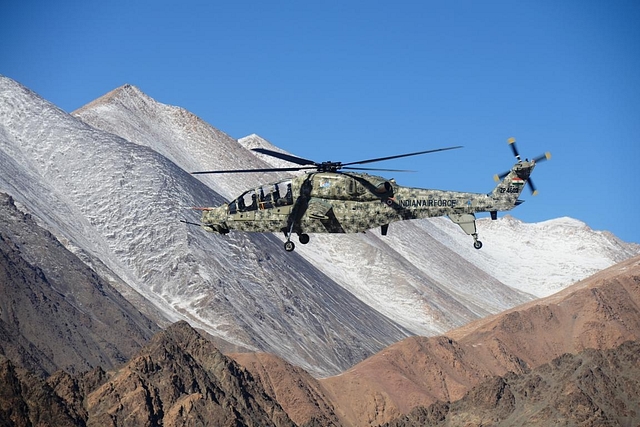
{"points": [[591, 388], [178, 379], [601, 312]]}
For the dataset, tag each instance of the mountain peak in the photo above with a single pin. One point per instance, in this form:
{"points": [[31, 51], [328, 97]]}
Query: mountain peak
{"points": [[124, 93], [180, 374]]}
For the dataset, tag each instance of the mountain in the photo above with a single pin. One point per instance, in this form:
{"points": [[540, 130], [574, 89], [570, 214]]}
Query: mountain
{"points": [[111, 183], [414, 276], [541, 258], [571, 356], [55, 312], [601, 312], [177, 378], [414, 300], [593, 387], [303, 396], [117, 204]]}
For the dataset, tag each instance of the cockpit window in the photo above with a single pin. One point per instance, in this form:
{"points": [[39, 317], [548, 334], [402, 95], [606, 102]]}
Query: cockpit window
{"points": [[246, 202]]}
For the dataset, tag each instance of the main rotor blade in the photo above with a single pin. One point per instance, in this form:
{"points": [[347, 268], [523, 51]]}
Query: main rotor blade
{"points": [[361, 162], [283, 156], [256, 170], [376, 169]]}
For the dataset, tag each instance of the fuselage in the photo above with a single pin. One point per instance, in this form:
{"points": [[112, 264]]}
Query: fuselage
{"points": [[333, 202]]}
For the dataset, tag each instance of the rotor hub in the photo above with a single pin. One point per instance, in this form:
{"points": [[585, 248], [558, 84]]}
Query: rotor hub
{"points": [[329, 166]]}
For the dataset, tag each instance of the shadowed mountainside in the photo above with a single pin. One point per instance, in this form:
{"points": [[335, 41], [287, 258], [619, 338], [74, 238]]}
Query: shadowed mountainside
{"points": [[178, 378], [55, 312]]}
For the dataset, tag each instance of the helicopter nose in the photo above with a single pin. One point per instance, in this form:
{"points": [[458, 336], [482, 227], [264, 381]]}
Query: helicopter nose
{"points": [[214, 220]]}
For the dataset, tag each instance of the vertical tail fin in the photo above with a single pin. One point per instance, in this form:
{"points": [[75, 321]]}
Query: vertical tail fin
{"points": [[511, 185]]}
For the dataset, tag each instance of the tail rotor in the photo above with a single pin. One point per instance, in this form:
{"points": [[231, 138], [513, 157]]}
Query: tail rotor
{"points": [[512, 143]]}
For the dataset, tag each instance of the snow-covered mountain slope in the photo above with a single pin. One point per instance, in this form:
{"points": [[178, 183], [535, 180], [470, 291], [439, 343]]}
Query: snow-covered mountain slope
{"points": [[175, 133], [364, 265], [121, 203], [540, 258]]}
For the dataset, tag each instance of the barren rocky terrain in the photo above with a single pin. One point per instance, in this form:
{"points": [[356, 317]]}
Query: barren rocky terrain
{"points": [[580, 366]]}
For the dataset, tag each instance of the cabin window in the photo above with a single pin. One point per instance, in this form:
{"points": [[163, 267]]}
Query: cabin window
{"points": [[265, 197], [352, 186], [285, 193]]}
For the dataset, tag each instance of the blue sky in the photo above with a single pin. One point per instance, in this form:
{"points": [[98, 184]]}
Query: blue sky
{"points": [[352, 80]]}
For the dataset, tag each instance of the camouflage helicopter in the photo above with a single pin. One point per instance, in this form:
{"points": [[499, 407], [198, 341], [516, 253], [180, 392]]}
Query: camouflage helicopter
{"points": [[328, 199]]}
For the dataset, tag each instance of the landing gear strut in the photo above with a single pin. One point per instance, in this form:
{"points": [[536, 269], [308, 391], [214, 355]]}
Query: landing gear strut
{"points": [[468, 224]]}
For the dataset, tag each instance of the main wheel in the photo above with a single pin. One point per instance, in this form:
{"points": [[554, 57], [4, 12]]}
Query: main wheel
{"points": [[304, 238], [477, 244], [289, 246]]}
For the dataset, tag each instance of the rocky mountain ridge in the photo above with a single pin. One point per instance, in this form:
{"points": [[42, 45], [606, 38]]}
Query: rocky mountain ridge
{"points": [[600, 312], [180, 378], [593, 387]]}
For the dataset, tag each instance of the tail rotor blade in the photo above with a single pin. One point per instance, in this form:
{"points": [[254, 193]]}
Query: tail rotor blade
{"points": [[545, 156], [532, 187], [512, 143], [497, 177]]}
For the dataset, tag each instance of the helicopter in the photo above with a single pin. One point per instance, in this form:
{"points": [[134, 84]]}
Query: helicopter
{"points": [[335, 197]]}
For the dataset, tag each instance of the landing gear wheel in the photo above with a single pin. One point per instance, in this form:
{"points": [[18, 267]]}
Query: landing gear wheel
{"points": [[304, 238], [477, 244], [289, 246]]}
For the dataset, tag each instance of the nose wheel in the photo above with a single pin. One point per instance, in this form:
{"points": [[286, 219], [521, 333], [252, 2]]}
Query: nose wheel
{"points": [[476, 243]]}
